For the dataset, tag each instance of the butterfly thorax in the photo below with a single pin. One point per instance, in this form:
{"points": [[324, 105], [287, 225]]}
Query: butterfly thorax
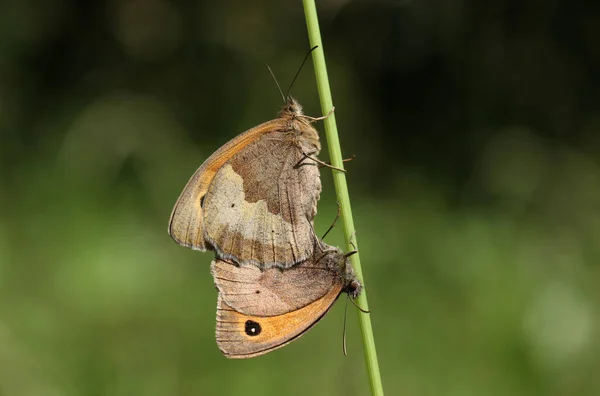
{"points": [[339, 263], [307, 136]]}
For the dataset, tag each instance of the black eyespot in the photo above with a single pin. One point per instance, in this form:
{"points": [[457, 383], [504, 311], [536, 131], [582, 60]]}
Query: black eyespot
{"points": [[252, 328], [232, 205], [202, 201], [258, 292]]}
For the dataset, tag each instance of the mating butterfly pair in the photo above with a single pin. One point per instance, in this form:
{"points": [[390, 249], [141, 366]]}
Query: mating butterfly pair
{"points": [[253, 202]]}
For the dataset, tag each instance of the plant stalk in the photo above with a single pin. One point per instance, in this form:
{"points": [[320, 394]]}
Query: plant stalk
{"points": [[341, 188]]}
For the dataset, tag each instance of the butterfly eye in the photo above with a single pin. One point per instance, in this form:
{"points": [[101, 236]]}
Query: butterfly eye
{"points": [[355, 288], [252, 328]]}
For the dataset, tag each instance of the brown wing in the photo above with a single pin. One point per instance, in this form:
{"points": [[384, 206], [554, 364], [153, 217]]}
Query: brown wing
{"points": [[242, 336], [186, 225], [260, 204], [272, 292]]}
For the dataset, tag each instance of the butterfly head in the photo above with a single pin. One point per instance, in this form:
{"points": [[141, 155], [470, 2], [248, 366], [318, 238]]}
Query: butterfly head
{"points": [[352, 285], [292, 108], [308, 137]]}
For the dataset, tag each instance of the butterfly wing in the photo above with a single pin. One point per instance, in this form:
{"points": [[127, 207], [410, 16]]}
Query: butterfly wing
{"points": [[241, 336], [186, 225], [248, 290], [260, 204]]}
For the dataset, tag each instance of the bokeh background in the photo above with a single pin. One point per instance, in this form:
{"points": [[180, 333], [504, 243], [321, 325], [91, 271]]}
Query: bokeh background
{"points": [[475, 188]]}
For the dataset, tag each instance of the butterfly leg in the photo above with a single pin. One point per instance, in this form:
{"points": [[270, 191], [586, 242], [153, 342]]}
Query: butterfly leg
{"points": [[344, 160], [314, 234], [314, 119], [337, 216], [350, 253], [349, 159], [350, 240], [318, 242], [318, 161]]}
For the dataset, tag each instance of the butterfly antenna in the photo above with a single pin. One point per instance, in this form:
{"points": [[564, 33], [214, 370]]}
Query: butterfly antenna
{"points": [[276, 82], [344, 333], [337, 216], [301, 66]]}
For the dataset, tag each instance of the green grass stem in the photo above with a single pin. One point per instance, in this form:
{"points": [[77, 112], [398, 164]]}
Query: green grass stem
{"points": [[341, 188]]}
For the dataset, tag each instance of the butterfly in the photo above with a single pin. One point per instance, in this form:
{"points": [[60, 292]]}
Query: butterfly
{"points": [[259, 311], [254, 199]]}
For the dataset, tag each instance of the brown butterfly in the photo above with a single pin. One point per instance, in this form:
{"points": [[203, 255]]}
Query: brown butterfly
{"points": [[260, 311], [254, 199]]}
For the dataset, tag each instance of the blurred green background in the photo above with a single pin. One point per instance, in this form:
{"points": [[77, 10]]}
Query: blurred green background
{"points": [[475, 188]]}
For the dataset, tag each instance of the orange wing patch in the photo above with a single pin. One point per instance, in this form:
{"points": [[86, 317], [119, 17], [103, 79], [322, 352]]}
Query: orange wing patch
{"points": [[242, 336]]}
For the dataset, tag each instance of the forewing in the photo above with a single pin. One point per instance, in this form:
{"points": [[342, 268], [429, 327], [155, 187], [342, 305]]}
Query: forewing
{"points": [[260, 205], [186, 225]]}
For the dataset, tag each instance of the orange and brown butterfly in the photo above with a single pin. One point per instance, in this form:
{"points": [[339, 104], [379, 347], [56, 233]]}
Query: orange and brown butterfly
{"points": [[260, 311], [254, 199]]}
